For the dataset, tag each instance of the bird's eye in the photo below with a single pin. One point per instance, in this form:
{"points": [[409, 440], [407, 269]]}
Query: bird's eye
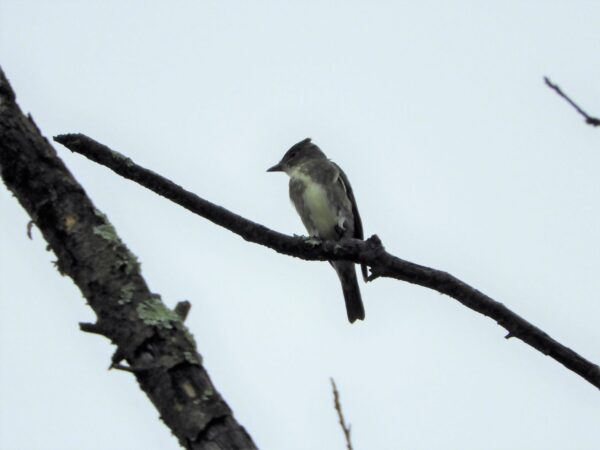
{"points": [[293, 155]]}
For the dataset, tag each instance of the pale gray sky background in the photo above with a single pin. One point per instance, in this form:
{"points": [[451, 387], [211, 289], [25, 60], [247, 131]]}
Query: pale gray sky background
{"points": [[460, 157]]}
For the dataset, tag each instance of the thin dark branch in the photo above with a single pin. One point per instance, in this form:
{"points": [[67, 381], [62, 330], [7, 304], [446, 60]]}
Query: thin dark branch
{"points": [[593, 121], [369, 252], [338, 408], [152, 339]]}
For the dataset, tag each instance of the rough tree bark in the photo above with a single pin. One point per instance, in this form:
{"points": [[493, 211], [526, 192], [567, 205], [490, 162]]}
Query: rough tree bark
{"points": [[157, 346]]}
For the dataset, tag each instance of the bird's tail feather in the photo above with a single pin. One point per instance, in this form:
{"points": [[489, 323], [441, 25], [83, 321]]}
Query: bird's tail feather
{"points": [[354, 304]]}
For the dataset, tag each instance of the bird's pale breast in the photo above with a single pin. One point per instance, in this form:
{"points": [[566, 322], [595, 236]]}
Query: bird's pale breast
{"points": [[313, 204]]}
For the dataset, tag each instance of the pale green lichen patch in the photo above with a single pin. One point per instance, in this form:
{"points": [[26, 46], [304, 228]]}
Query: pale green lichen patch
{"points": [[189, 336], [207, 394], [312, 241], [107, 232], [100, 214], [126, 293], [154, 313], [131, 263], [192, 358], [121, 157], [127, 260]]}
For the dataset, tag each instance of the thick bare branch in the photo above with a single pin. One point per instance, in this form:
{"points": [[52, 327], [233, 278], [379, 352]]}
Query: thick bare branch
{"points": [[369, 252], [159, 350], [593, 121]]}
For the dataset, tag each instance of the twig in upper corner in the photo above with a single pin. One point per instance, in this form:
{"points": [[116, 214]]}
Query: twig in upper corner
{"points": [[593, 121], [338, 408]]}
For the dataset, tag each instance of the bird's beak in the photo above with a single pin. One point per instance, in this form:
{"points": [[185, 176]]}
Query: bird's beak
{"points": [[276, 168]]}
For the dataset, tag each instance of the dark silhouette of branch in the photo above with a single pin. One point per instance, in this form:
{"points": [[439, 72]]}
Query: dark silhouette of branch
{"points": [[338, 408], [154, 342], [593, 121], [369, 252]]}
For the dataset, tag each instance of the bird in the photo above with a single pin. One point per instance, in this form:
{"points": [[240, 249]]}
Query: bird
{"points": [[322, 195]]}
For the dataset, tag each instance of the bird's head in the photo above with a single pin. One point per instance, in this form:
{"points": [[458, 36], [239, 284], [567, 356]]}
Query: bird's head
{"points": [[297, 155]]}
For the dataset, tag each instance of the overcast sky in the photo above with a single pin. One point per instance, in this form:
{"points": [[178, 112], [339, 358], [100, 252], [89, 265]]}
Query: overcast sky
{"points": [[460, 158]]}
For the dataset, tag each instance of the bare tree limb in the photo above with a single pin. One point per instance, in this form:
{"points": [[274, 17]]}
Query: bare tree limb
{"points": [[159, 350], [593, 121], [338, 408], [369, 252]]}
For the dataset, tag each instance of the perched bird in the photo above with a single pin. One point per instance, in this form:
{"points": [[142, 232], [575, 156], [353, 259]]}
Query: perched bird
{"points": [[324, 200]]}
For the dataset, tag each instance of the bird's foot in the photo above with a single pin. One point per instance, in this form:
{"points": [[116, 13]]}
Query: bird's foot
{"points": [[340, 227], [338, 230]]}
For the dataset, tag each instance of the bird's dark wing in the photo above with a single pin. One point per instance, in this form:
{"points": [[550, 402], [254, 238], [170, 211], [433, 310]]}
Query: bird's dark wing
{"points": [[358, 229]]}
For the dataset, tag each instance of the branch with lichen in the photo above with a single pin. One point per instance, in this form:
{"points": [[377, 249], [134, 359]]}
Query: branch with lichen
{"points": [[370, 252], [152, 341]]}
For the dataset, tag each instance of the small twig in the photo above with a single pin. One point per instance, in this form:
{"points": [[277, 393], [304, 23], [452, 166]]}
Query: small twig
{"points": [[182, 309], [338, 408], [593, 121], [29, 227], [92, 328], [123, 368]]}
